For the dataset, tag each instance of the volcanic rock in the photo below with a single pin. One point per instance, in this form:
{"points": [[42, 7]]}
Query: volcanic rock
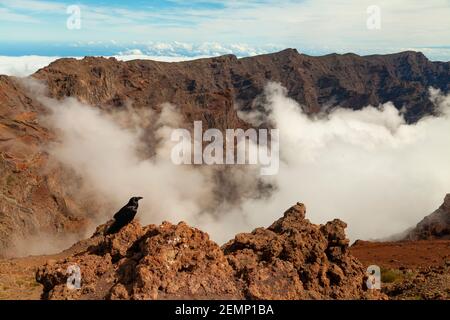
{"points": [[292, 259], [154, 262]]}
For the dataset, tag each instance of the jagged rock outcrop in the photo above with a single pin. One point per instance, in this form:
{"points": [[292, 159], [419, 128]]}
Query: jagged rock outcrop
{"points": [[154, 262], [292, 259], [434, 226]]}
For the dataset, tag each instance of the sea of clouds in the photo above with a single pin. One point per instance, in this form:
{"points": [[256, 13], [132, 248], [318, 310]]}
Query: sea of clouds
{"points": [[367, 167]]}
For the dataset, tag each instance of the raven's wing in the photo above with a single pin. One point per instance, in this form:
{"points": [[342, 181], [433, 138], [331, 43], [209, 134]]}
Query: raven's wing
{"points": [[122, 213]]}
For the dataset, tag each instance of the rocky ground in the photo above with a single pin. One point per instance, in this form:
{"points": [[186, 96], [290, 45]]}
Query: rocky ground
{"points": [[17, 280], [18, 275], [409, 269]]}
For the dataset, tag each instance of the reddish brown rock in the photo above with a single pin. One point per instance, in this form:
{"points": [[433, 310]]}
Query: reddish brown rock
{"points": [[292, 259], [154, 262], [175, 262], [33, 196]]}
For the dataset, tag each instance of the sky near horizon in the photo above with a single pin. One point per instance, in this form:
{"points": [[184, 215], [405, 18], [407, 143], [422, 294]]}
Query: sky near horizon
{"points": [[176, 28]]}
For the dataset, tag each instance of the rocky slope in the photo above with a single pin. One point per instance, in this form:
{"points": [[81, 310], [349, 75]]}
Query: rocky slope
{"points": [[32, 199], [292, 259], [409, 269], [434, 226]]}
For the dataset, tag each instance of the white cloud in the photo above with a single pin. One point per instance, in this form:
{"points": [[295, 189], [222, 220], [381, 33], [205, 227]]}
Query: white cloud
{"points": [[204, 49], [24, 65], [109, 151], [367, 167], [34, 5], [8, 15], [127, 57], [310, 25], [159, 51]]}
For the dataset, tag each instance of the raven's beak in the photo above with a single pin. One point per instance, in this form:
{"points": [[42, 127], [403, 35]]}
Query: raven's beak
{"points": [[139, 198]]}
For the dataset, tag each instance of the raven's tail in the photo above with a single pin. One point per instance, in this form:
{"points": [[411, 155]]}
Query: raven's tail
{"points": [[114, 228]]}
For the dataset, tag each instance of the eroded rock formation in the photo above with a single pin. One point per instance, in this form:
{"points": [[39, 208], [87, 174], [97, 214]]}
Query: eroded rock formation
{"points": [[292, 259]]}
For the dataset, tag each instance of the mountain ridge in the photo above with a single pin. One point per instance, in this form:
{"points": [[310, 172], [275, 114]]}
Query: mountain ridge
{"points": [[217, 83]]}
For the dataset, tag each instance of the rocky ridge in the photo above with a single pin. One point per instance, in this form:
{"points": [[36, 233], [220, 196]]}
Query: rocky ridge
{"points": [[292, 259], [208, 89]]}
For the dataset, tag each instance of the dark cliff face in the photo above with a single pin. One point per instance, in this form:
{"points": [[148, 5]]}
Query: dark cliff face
{"points": [[207, 89]]}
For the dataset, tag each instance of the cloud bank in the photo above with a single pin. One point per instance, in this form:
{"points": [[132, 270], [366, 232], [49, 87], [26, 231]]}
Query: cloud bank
{"points": [[367, 167], [23, 66], [27, 65]]}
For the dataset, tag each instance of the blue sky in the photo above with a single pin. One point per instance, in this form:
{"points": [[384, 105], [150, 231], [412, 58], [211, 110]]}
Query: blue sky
{"points": [[197, 28]]}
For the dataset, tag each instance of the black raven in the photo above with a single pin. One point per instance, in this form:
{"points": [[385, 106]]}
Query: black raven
{"points": [[125, 215]]}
